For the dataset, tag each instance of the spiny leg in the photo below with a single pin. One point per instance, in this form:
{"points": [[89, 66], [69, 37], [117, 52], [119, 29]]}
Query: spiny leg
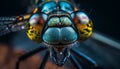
{"points": [[27, 55], [84, 58], [75, 62], [45, 58]]}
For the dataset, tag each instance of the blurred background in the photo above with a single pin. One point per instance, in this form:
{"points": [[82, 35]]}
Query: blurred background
{"points": [[105, 16]]}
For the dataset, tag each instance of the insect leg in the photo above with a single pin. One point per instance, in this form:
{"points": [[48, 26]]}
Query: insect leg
{"points": [[45, 58], [84, 58], [75, 62], [27, 55]]}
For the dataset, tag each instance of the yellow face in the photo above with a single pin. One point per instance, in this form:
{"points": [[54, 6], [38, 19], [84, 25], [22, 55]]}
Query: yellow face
{"points": [[34, 32], [84, 30], [84, 26], [34, 27]]}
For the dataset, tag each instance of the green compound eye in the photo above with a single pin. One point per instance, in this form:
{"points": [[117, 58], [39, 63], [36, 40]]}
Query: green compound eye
{"points": [[65, 21], [53, 21]]}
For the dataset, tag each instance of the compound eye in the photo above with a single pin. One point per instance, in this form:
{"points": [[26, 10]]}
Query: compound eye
{"points": [[34, 19], [80, 17], [66, 6], [35, 26], [48, 7], [38, 19]]}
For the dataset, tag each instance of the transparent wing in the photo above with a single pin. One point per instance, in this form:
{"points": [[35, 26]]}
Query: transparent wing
{"points": [[13, 24]]}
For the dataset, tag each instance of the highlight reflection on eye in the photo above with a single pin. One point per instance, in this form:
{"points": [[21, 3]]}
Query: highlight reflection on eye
{"points": [[83, 17], [80, 17], [34, 19]]}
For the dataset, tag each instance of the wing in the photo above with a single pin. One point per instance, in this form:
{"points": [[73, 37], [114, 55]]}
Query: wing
{"points": [[13, 24]]}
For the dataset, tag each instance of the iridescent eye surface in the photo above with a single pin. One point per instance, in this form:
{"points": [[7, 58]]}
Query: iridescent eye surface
{"points": [[34, 19], [49, 7], [80, 17], [37, 19], [83, 24], [66, 6], [65, 21], [35, 26], [53, 21], [55, 35]]}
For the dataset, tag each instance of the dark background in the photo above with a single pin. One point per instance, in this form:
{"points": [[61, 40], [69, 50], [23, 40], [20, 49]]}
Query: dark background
{"points": [[104, 13]]}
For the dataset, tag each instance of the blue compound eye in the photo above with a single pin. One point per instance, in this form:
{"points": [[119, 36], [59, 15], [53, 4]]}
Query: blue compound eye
{"points": [[65, 6], [49, 7]]}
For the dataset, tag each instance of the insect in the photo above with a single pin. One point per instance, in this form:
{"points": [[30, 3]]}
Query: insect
{"points": [[58, 25]]}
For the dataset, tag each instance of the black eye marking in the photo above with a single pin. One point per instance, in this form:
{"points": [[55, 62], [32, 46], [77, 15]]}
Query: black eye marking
{"points": [[89, 25], [31, 31], [82, 32], [30, 34], [87, 30]]}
